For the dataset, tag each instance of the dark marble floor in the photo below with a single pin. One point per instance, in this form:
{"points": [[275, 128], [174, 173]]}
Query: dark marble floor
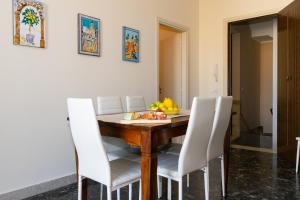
{"points": [[253, 175]]}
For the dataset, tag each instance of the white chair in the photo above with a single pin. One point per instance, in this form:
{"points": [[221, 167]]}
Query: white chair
{"points": [[173, 149], [220, 126], [92, 157], [193, 155], [135, 104], [298, 151], [116, 148], [108, 105]]}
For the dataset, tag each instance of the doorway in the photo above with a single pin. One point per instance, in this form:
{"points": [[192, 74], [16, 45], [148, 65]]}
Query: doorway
{"points": [[172, 64], [253, 83]]}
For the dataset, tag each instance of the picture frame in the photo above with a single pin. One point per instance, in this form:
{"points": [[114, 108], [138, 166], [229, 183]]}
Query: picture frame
{"points": [[29, 19], [89, 35], [131, 45]]}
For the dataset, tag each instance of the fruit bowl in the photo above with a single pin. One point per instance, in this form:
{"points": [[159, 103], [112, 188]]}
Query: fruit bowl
{"points": [[167, 106]]}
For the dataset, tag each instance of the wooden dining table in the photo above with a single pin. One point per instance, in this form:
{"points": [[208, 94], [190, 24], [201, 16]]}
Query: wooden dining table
{"points": [[148, 137]]}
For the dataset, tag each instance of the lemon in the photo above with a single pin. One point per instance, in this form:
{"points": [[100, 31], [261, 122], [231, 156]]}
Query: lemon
{"points": [[162, 106], [168, 102]]}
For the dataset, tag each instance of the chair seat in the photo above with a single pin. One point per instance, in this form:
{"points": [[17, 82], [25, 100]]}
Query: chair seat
{"points": [[168, 165], [124, 171], [173, 148], [124, 154]]}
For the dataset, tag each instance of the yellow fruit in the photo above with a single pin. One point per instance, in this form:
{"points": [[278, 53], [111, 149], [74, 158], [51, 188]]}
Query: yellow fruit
{"points": [[168, 102], [162, 107], [170, 109]]}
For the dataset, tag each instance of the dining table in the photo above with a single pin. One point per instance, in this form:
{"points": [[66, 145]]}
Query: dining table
{"points": [[149, 137]]}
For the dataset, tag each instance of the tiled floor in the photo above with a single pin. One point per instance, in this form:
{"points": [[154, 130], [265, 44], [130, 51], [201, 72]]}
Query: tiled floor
{"points": [[253, 175]]}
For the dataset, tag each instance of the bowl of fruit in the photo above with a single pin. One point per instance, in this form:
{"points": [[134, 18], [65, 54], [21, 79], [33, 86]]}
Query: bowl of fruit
{"points": [[167, 106]]}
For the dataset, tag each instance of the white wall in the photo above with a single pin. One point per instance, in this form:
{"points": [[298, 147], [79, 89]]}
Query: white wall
{"points": [[213, 19], [35, 143]]}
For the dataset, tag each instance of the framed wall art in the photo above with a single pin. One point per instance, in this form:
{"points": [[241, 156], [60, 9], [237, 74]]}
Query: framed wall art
{"points": [[88, 35], [131, 45], [29, 23]]}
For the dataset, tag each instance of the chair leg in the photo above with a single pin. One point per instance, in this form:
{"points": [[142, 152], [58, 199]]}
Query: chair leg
{"points": [[130, 192], [140, 193], [119, 194], [297, 158], [108, 193], [223, 176], [159, 186], [79, 187], [180, 189], [188, 180], [169, 189], [206, 182], [101, 191]]}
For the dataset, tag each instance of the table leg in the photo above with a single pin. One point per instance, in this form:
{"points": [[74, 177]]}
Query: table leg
{"points": [[84, 189], [149, 165], [84, 181]]}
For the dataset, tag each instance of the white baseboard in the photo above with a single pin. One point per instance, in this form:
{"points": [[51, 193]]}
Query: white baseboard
{"points": [[38, 189]]}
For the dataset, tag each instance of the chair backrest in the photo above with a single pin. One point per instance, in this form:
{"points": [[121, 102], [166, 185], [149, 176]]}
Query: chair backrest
{"points": [[93, 161], [109, 105], [220, 126], [106, 106], [135, 104], [194, 149]]}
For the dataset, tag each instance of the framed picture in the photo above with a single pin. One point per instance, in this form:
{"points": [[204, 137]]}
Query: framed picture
{"points": [[88, 35], [29, 23], [131, 45]]}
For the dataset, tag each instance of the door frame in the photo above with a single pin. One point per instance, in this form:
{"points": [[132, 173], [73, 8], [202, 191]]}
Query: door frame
{"points": [[228, 70], [184, 31]]}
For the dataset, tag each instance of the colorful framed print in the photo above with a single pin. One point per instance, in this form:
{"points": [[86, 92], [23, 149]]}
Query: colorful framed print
{"points": [[88, 35], [29, 23], [131, 45]]}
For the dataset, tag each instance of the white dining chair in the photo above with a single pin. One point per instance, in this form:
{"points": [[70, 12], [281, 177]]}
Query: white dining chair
{"points": [[108, 105], [297, 157], [219, 130], [173, 149], [93, 162], [135, 104], [116, 148], [193, 155]]}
